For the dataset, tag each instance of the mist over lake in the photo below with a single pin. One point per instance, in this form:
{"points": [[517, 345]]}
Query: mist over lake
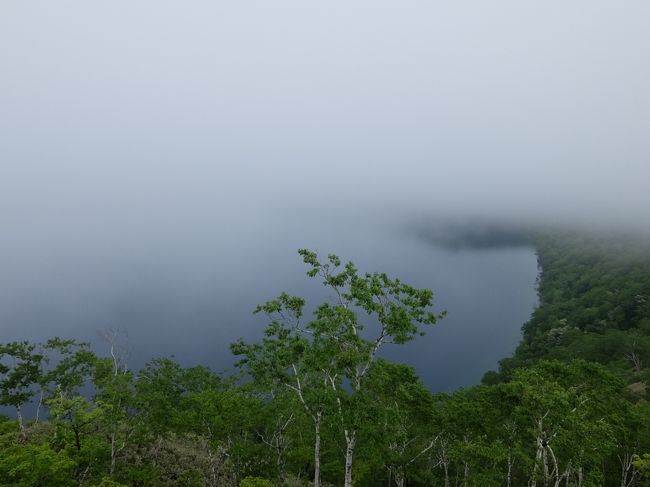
{"points": [[160, 165], [193, 304], [167, 168]]}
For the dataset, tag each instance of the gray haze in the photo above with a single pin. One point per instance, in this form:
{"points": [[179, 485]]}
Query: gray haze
{"points": [[161, 161]]}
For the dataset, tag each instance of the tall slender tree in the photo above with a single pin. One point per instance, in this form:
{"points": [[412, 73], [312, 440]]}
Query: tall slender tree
{"points": [[327, 360]]}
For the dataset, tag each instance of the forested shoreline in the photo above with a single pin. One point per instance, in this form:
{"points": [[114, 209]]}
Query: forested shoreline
{"points": [[315, 404]]}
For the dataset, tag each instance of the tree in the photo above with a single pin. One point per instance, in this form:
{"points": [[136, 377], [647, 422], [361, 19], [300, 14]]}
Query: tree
{"points": [[36, 465], [285, 360], [114, 398], [395, 413], [642, 466], [573, 413], [20, 366], [327, 360], [64, 369]]}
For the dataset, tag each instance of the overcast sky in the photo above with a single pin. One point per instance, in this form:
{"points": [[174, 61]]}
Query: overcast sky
{"points": [[156, 156], [132, 111]]}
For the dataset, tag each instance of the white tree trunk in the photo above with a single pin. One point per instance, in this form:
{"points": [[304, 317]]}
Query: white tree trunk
{"points": [[545, 460], [21, 424], [399, 478], [350, 441], [39, 406], [509, 474], [317, 420], [113, 452], [443, 461], [445, 468], [538, 458], [628, 475]]}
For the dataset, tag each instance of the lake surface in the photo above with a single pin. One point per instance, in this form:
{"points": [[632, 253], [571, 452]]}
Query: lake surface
{"points": [[192, 301]]}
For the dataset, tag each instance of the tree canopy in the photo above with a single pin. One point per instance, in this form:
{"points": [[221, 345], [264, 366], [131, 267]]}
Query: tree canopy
{"points": [[316, 403]]}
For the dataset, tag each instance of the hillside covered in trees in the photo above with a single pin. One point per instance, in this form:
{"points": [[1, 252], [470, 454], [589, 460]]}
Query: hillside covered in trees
{"points": [[316, 404]]}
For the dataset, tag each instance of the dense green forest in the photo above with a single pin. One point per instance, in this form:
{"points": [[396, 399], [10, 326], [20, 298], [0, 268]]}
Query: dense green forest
{"points": [[315, 404]]}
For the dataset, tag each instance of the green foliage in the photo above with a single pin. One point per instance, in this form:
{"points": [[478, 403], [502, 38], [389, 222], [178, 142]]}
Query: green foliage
{"points": [[108, 482], [30, 460], [594, 304], [255, 482], [569, 408], [19, 373], [36, 465], [318, 359]]}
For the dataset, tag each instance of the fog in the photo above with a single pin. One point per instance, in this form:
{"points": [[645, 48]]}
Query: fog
{"points": [[160, 162]]}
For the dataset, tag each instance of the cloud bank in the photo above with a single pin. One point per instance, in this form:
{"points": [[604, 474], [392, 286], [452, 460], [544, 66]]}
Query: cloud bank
{"points": [[127, 113], [156, 154]]}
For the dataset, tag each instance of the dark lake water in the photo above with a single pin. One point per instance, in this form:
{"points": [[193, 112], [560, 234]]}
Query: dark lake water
{"points": [[192, 301]]}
